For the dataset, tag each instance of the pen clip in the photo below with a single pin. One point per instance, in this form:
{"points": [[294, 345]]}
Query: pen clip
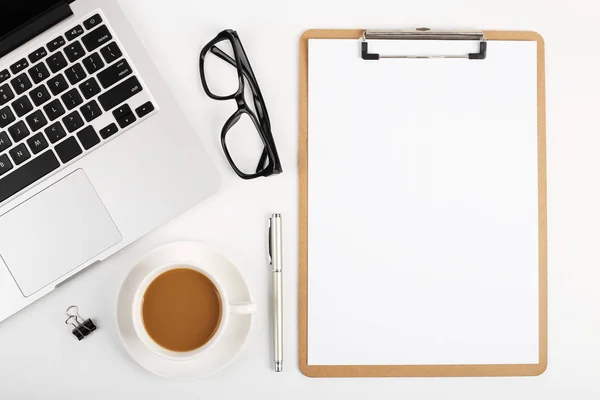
{"points": [[270, 243]]}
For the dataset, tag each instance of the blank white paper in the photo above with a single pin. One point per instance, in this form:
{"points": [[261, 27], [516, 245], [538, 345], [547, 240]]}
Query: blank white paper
{"points": [[423, 205]]}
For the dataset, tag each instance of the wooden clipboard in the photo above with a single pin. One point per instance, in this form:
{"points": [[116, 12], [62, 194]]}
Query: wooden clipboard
{"points": [[421, 370]]}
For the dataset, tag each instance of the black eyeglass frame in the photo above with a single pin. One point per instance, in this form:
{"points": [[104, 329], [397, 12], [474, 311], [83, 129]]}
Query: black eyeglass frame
{"points": [[260, 121]]}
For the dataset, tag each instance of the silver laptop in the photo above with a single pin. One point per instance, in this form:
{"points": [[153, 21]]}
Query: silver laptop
{"points": [[94, 151]]}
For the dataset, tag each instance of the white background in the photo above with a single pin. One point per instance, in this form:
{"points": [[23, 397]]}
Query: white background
{"points": [[40, 359]]}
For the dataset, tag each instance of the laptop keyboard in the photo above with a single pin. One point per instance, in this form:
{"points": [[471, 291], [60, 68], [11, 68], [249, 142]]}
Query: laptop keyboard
{"points": [[54, 103]]}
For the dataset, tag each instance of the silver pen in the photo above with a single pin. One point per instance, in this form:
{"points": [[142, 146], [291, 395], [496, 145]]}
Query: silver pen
{"points": [[276, 260]]}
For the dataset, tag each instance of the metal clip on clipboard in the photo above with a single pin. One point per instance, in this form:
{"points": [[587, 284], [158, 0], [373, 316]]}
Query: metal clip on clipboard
{"points": [[423, 34]]}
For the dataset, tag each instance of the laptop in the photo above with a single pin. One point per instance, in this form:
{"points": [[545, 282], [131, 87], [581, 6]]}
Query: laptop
{"points": [[94, 150]]}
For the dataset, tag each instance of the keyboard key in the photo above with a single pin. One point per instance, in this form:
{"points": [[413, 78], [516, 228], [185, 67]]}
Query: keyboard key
{"points": [[22, 106], [6, 117], [37, 143], [114, 74], [108, 131], [144, 109], [75, 32], [36, 120], [4, 141], [126, 120], [122, 111], [19, 66], [93, 63], [4, 75], [111, 52], [54, 109], [88, 137], [96, 38], [89, 88], [39, 95], [58, 84], [92, 22], [5, 164], [72, 121], [56, 62], [19, 154], [37, 55], [26, 175], [68, 149], [6, 94], [18, 131], [56, 44], [75, 73], [21, 83], [120, 93], [55, 132], [74, 51], [39, 72], [72, 99], [91, 111]]}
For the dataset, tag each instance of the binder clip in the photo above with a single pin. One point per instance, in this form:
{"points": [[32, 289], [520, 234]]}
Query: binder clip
{"points": [[81, 327]]}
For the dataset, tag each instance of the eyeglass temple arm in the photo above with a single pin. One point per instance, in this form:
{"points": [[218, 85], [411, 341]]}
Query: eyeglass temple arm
{"points": [[262, 161], [225, 57], [222, 55]]}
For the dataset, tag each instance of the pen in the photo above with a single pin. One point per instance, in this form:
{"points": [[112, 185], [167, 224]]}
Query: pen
{"points": [[276, 260]]}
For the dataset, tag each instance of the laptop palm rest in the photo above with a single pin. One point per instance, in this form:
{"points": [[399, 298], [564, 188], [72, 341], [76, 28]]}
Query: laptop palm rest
{"points": [[54, 232]]}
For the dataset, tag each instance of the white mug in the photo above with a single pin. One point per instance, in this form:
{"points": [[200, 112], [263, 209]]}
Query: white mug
{"points": [[226, 309]]}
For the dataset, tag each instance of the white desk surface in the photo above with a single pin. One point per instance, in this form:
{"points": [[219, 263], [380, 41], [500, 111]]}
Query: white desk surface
{"points": [[39, 359]]}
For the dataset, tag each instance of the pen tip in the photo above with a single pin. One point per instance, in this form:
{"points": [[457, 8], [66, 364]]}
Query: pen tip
{"points": [[278, 366]]}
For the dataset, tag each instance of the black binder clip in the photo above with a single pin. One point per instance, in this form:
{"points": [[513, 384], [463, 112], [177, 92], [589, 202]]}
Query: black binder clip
{"points": [[81, 327]]}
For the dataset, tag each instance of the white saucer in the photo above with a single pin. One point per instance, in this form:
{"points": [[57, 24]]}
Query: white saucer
{"points": [[214, 359]]}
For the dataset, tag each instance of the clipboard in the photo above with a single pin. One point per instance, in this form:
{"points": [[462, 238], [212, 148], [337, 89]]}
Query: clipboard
{"points": [[446, 370]]}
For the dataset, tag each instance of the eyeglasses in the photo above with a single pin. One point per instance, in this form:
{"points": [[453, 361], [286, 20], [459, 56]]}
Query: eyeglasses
{"points": [[268, 160]]}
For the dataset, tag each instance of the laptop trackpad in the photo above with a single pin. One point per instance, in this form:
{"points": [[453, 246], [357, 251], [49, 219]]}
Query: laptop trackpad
{"points": [[54, 232]]}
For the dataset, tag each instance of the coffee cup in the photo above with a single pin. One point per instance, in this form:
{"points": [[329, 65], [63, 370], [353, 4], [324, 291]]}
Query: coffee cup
{"points": [[227, 308]]}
